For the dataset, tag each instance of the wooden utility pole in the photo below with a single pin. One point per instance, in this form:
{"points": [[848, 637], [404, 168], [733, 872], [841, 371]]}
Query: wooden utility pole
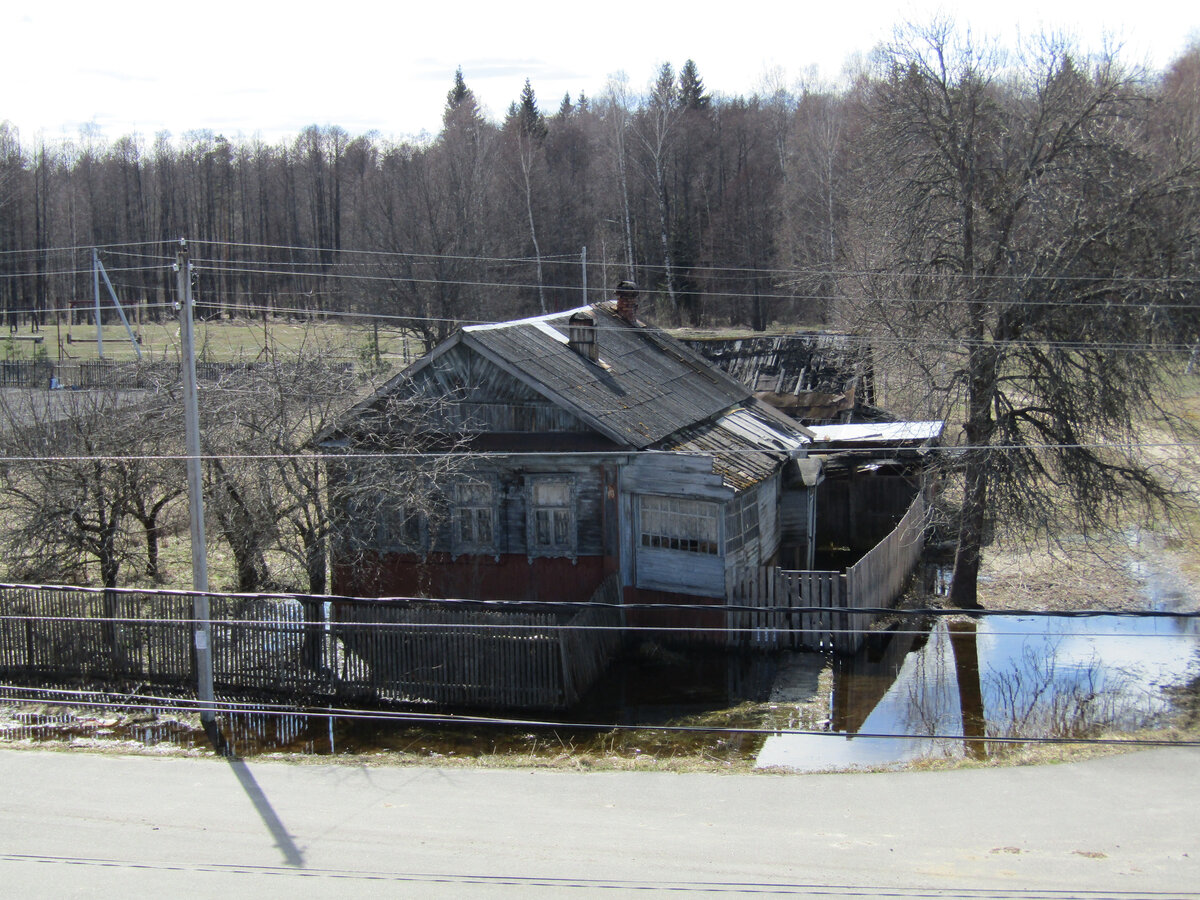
{"points": [[191, 410]]}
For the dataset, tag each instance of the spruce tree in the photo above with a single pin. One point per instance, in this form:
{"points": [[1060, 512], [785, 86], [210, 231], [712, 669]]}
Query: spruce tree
{"points": [[691, 88]]}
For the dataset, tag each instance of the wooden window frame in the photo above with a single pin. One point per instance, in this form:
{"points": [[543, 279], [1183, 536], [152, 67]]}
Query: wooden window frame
{"points": [[474, 511], [568, 546], [675, 524]]}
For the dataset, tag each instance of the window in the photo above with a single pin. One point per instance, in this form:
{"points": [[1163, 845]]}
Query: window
{"points": [[474, 517], [376, 522], [400, 528], [551, 518], [689, 526]]}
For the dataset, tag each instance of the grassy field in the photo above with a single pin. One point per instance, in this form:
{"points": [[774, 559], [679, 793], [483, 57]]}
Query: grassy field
{"points": [[216, 341]]}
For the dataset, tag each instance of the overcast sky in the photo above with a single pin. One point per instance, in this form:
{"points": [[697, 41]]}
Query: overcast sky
{"points": [[269, 69]]}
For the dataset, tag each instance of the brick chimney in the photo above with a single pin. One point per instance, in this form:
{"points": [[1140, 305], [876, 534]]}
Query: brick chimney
{"points": [[627, 301]]}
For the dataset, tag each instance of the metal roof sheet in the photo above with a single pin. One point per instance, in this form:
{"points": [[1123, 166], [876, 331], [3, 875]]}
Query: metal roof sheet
{"points": [[878, 432]]}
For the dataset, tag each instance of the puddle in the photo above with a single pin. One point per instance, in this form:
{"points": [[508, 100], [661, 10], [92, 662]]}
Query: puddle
{"points": [[1005, 677]]}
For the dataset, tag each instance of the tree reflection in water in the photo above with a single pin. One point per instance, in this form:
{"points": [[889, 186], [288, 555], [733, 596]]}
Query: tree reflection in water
{"points": [[968, 683]]}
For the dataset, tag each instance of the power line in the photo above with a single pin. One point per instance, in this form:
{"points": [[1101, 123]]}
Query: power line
{"points": [[62, 697], [571, 259]]}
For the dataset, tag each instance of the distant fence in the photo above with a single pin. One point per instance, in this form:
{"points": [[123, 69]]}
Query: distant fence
{"points": [[874, 582], [25, 373], [429, 651]]}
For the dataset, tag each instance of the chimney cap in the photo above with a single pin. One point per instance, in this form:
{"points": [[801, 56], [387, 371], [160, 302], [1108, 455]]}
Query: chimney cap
{"points": [[627, 288]]}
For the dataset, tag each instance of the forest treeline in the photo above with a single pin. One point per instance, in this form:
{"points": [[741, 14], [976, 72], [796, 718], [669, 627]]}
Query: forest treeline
{"points": [[726, 210], [1015, 236]]}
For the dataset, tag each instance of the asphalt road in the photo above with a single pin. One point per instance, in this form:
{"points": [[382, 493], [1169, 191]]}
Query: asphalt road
{"points": [[84, 825]]}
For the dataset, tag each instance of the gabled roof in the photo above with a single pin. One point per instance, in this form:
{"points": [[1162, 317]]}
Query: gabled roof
{"points": [[644, 387], [645, 390]]}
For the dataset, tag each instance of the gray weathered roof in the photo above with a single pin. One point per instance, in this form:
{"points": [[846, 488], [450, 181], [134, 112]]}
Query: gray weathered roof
{"points": [[747, 444], [644, 391], [644, 387]]}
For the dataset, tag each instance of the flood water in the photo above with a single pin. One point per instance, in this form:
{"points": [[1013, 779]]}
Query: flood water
{"points": [[947, 687], [951, 688]]}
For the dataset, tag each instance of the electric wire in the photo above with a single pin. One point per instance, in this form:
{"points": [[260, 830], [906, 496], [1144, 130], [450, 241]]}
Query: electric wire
{"points": [[289, 270], [68, 698], [574, 259]]}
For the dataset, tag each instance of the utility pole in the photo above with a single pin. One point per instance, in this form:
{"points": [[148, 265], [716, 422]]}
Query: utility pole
{"points": [[191, 411], [96, 297], [583, 263]]}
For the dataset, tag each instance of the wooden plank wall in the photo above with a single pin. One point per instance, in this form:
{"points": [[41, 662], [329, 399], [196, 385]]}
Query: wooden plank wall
{"points": [[879, 578], [875, 581], [771, 620]]}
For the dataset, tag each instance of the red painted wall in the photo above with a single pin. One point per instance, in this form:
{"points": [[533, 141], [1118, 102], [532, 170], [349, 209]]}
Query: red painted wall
{"points": [[512, 577]]}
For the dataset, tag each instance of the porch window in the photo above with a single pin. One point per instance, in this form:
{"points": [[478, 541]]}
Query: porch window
{"points": [[474, 517], [551, 520], [689, 526]]}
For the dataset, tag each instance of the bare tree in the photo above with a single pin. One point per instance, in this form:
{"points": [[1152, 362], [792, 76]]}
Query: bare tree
{"points": [[274, 497], [1012, 211], [85, 464], [616, 115], [655, 129]]}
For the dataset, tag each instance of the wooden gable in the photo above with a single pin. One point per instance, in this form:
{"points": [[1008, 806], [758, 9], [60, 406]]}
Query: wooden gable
{"points": [[481, 397]]}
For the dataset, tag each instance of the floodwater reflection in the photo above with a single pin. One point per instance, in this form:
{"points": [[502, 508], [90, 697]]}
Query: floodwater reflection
{"points": [[951, 690], [1004, 677]]}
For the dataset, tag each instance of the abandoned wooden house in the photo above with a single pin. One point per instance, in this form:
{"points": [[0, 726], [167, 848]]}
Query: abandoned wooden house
{"points": [[815, 377], [593, 447]]}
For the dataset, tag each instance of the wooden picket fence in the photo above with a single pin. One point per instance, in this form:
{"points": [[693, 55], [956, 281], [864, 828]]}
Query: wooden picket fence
{"points": [[451, 653], [812, 610]]}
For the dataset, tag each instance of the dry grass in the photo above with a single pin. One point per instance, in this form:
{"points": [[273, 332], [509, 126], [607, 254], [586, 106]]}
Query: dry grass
{"points": [[217, 341], [1112, 575]]}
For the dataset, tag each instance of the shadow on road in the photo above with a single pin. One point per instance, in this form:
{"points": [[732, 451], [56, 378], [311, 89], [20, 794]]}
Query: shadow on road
{"points": [[291, 853]]}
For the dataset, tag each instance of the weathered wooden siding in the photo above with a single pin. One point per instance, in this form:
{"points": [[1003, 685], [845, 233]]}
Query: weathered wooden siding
{"points": [[797, 515], [860, 511], [483, 398], [674, 474], [686, 477], [769, 496], [875, 582], [510, 571]]}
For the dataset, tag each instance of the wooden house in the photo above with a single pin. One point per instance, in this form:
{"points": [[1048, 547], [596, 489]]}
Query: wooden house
{"points": [[592, 447]]}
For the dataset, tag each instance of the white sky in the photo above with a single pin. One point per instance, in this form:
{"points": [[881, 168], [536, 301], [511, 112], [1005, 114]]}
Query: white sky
{"points": [[269, 69]]}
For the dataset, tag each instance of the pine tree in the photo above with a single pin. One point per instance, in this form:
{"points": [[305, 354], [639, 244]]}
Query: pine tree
{"points": [[530, 120], [459, 92], [691, 88], [461, 105]]}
